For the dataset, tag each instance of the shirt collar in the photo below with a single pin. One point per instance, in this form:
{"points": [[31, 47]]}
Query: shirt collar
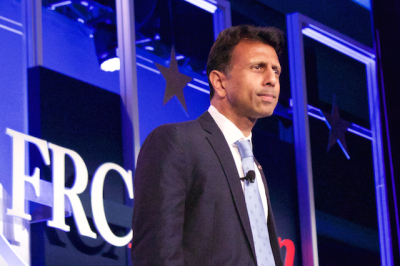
{"points": [[231, 132]]}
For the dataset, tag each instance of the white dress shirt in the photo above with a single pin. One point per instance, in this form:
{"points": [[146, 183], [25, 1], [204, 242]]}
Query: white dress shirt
{"points": [[233, 134]]}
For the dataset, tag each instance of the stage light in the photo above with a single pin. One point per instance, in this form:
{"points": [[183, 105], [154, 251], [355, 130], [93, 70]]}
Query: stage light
{"points": [[205, 5], [101, 23], [111, 65], [106, 43]]}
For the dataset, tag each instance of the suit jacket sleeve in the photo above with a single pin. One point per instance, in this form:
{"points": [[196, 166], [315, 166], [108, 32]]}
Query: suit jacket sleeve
{"points": [[159, 204]]}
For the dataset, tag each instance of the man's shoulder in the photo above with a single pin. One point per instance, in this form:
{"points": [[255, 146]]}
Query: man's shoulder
{"points": [[190, 125], [182, 131], [180, 127]]}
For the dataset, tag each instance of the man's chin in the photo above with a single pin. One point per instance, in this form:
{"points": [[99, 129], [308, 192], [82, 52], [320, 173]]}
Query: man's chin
{"points": [[263, 115], [267, 110], [266, 113]]}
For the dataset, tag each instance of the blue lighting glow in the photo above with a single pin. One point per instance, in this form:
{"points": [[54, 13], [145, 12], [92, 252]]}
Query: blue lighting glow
{"points": [[10, 29], [353, 128], [200, 81], [364, 3], [341, 46], [11, 21], [198, 88], [143, 41], [205, 5], [362, 132], [343, 149], [144, 58], [64, 3], [149, 68]]}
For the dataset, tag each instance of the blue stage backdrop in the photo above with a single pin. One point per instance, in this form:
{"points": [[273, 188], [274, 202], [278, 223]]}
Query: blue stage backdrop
{"points": [[72, 103]]}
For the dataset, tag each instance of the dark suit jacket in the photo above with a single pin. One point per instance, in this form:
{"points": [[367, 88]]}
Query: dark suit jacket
{"points": [[189, 206]]}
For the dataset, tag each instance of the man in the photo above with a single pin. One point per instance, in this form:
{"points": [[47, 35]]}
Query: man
{"points": [[190, 206]]}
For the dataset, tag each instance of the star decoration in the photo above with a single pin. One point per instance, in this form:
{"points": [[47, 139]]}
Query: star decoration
{"points": [[338, 128], [176, 81]]}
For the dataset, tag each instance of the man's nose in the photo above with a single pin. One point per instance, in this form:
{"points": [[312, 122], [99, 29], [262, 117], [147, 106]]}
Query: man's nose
{"points": [[270, 77]]}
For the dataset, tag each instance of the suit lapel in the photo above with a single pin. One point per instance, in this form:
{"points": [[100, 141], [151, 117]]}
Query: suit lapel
{"points": [[224, 154], [263, 179]]}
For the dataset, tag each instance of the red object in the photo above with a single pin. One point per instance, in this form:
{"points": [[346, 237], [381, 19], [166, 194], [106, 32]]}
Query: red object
{"points": [[290, 250]]}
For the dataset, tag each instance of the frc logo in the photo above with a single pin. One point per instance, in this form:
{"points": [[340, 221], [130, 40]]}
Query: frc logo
{"points": [[54, 194]]}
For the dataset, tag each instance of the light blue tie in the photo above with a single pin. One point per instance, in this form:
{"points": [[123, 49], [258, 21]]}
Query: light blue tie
{"points": [[259, 227]]}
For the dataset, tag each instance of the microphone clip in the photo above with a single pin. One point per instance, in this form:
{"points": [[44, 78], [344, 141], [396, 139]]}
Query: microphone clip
{"points": [[250, 176]]}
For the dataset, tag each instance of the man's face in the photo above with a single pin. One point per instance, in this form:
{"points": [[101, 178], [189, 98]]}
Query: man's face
{"points": [[252, 86]]}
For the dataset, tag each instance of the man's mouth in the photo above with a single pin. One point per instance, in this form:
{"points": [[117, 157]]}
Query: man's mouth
{"points": [[267, 97]]}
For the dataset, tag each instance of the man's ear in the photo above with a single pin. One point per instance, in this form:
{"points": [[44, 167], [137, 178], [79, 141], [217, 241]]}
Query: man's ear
{"points": [[217, 79]]}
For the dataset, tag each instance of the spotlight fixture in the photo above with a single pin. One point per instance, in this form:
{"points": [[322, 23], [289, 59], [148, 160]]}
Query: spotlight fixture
{"points": [[105, 40], [111, 65], [98, 20]]}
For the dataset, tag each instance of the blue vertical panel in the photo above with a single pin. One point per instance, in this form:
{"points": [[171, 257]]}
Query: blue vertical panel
{"points": [[12, 115], [12, 95], [302, 142]]}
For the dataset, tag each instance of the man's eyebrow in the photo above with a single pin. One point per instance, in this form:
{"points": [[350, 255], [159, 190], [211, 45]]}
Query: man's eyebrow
{"points": [[277, 67], [255, 62], [263, 64]]}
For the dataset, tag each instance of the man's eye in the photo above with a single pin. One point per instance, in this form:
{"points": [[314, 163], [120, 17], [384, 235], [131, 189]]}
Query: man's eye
{"points": [[257, 67]]}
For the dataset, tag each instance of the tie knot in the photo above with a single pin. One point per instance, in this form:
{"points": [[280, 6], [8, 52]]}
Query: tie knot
{"points": [[244, 148]]}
